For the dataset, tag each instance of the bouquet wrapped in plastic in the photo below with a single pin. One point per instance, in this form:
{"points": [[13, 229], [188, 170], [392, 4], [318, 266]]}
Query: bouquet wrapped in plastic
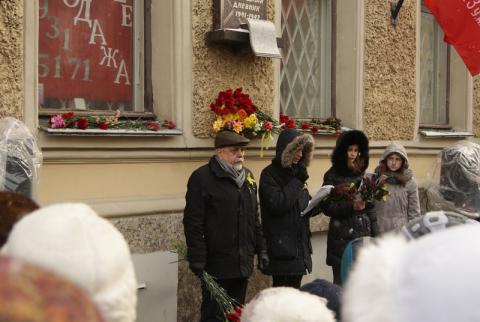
{"points": [[20, 157], [455, 184]]}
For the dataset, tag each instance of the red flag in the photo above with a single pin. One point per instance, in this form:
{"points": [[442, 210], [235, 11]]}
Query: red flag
{"points": [[460, 21]]}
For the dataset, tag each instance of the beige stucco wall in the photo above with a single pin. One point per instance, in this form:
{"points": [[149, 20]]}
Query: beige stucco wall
{"points": [[218, 67], [11, 58], [476, 106], [389, 72]]}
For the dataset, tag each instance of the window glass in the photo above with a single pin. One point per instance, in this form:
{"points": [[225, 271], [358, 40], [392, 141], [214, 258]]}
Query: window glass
{"points": [[85, 59], [434, 72], [305, 69]]}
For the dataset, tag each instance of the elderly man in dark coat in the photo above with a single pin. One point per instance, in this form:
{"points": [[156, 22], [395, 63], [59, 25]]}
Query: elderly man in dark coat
{"points": [[222, 224], [283, 196]]}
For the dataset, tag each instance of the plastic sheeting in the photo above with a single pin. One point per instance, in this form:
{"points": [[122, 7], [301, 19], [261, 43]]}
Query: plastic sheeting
{"points": [[456, 183], [20, 158]]}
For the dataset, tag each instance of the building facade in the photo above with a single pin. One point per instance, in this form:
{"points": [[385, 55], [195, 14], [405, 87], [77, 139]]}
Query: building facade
{"points": [[340, 58]]}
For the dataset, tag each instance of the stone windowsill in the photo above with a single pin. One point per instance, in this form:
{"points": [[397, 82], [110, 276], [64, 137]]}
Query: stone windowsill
{"points": [[431, 134], [111, 132]]}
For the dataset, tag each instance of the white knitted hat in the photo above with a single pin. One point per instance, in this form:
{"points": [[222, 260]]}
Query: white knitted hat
{"points": [[286, 304], [430, 279], [71, 240]]}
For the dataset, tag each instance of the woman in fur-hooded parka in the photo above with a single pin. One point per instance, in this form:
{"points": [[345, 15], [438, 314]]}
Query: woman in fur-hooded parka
{"points": [[346, 223], [283, 195], [402, 204]]}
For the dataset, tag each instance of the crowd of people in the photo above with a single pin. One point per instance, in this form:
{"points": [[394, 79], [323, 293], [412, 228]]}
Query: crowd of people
{"points": [[368, 238], [389, 263]]}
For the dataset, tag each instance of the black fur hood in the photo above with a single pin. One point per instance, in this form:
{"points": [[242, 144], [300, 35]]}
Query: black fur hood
{"points": [[339, 155], [289, 141]]}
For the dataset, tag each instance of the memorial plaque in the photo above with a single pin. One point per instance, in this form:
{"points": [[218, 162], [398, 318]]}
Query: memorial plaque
{"points": [[232, 13]]}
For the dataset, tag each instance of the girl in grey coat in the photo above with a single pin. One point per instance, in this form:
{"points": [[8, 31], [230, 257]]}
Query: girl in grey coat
{"points": [[402, 205]]}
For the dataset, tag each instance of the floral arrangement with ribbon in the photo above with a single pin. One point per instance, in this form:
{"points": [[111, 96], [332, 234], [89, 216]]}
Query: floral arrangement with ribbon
{"points": [[236, 112], [71, 120]]}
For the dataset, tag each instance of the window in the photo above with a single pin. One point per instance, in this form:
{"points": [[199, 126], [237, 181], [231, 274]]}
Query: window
{"points": [[434, 73], [305, 77], [88, 56]]}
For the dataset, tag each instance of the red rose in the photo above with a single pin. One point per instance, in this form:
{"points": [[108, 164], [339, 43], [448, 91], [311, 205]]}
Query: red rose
{"points": [[305, 126], [171, 125], [314, 129], [82, 123], [103, 125], [268, 125], [291, 124]]}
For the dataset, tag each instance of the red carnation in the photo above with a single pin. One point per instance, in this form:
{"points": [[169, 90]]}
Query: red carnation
{"points": [[291, 124], [268, 125], [314, 129], [82, 123], [152, 126], [68, 115], [305, 126], [283, 118], [103, 125], [171, 125]]}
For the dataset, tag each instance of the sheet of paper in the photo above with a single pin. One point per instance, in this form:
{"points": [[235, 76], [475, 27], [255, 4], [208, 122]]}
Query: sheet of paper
{"points": [[321, 194], [263, 39]]}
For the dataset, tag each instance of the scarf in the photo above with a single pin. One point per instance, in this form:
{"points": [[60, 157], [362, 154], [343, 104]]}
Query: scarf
{"points": [[237, 176]]}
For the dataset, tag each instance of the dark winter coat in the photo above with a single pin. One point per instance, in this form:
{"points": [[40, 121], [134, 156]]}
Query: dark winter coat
{"points": [[221, 221], [282, 198], [346, 224]]}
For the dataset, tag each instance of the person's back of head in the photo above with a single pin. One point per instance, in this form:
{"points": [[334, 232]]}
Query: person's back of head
{"points": [[329, 291], [13, 206], [430, 279], [30, 293], [73, 241], [286, 304]]}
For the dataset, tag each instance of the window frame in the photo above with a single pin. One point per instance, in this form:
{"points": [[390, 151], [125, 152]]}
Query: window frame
{"points": [[138, 79], [447, 81], [326, 61]]}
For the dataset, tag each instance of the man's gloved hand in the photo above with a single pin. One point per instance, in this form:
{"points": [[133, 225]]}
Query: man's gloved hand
{"points": [[263, 260], [301, 172], [197, 268]]}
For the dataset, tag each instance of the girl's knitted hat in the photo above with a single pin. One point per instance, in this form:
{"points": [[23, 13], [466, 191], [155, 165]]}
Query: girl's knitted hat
{"points": [[71, 240]]}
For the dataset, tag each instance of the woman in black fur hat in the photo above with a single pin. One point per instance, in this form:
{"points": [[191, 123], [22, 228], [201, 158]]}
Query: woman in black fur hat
{"points": [[348, 219], [283, 196]]}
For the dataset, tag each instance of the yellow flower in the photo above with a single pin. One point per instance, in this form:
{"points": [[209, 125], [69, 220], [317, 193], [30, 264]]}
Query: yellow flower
{"points": [[237, 126], [230, 117], [250, 179], [218, 124], [250, 121]]}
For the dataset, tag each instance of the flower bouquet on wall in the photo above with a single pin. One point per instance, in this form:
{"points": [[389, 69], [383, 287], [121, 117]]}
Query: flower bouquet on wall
{"points": [[236, 112]]}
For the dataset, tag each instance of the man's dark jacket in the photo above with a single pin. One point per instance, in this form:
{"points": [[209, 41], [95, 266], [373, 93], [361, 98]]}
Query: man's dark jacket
{"points": [[221, 221], [282, 198]]}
